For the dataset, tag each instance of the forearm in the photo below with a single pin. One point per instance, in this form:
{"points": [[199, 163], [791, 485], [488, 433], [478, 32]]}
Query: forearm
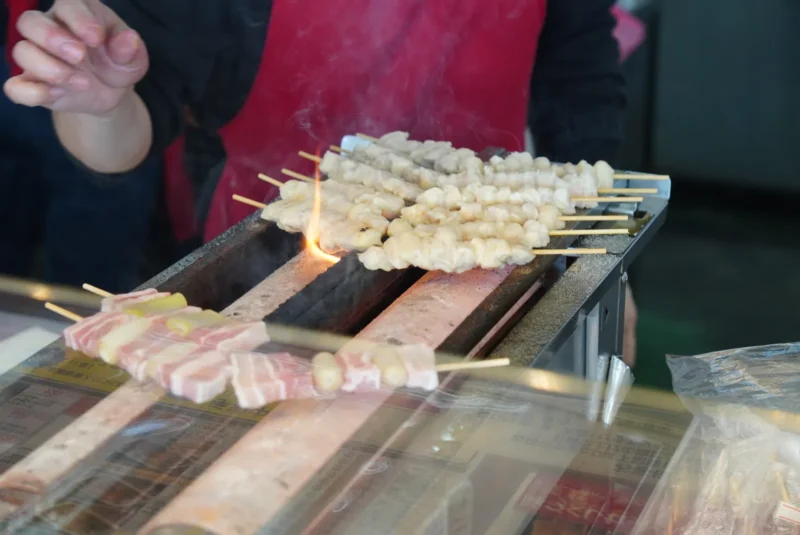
{"points": [[112, 143]]}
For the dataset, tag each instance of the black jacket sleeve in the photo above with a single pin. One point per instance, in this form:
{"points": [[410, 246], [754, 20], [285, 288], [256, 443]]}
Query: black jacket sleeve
{"points": [[578, 89], [183, 39]]}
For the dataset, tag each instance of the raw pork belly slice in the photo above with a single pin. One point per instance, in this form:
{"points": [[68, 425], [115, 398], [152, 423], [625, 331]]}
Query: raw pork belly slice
{"points": [[420, 364], [260, 379], [236, 336], [359, 372], [153, 341], [85, 335], [116, 302], [192, 372]]}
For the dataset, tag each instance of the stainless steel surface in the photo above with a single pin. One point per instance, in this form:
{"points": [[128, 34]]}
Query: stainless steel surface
{"points": [[584, 310]]}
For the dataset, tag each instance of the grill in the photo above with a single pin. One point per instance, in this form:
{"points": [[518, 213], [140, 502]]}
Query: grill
{"points": [[559, 313]]}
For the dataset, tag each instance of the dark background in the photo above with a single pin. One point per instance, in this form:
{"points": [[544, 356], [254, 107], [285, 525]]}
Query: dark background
{"points": [[715, 102]]}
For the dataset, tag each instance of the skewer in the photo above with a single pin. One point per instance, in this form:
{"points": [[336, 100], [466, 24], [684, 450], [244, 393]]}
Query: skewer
{"points": [[450, 367], [309, 156], [640, 176], [782, 485], [593, 218], [559, 252], [249, 202], [296, 175], [476, 365], [63, 312], [608, 199], [589, 232], [270, 180], [337, 148], [627, 190], [365, 136], [96, 291]]}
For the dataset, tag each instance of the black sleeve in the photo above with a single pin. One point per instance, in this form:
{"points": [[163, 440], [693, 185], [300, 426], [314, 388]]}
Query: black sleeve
{"points": [[183, 39], [578, 89]]}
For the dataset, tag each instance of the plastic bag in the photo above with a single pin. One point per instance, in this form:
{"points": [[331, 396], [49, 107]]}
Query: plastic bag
{"points": [[734, 469], [767, 377]]}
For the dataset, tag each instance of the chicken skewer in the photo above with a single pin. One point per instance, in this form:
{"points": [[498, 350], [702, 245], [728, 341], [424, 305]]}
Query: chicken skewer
{"points": [[451, 254], [443, 154], [343, 169], [583, 187], [335, 232], [451, 196], [495, 221], [335, 193]]}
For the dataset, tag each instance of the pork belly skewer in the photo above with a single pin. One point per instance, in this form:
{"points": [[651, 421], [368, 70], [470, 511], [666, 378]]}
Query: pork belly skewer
{"points": [[74, 443], [260, 379], [356, 368], [141, 347], [184, 349]]}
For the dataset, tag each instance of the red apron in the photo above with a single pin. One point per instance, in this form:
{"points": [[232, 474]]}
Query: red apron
{"points": [[15, 9], [458, 70]]}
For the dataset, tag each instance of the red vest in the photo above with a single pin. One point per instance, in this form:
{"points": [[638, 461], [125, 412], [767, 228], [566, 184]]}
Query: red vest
{"points": [[457, 70], [15, 9]]}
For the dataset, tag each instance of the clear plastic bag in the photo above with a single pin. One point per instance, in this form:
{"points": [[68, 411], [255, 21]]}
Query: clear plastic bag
{"points": [[767, 376], [735, 467]]}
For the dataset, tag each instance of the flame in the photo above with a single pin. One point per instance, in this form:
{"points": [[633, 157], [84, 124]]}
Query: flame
{"points": [[312, 232]]}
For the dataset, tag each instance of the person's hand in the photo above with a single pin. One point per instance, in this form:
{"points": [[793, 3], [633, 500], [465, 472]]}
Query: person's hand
{"points": [[629, 328], [78, 57]]}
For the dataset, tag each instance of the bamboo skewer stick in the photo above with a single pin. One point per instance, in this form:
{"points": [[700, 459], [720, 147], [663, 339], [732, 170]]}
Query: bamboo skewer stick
{"points": [[63, 312], [250, 202], [337, 148], [589, 232], [475, 365], [782, 485], [296, 175], [559, 252], [96, 291], [640, 176], [270, 180], [593, 218], [627, 190], [309, 156], [449, 367], [608, 199], [365, 136]]}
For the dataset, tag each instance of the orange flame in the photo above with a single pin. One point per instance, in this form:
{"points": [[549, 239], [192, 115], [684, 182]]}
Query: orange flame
{"points": [[312, 232]]}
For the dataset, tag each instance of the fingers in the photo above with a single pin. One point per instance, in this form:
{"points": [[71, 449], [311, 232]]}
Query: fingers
{"points": [[40, 65], [31, 93], [41, 30], [79, 17], [124, 47]]}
